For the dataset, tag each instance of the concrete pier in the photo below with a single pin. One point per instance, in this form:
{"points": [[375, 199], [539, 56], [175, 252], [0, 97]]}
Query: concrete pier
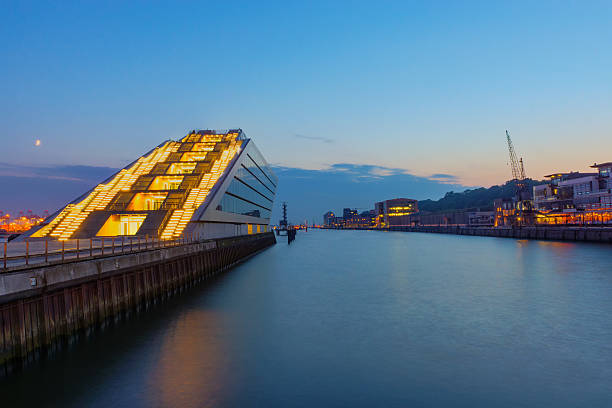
{"points": [[43, 305], [546, 232], [564, 233]]}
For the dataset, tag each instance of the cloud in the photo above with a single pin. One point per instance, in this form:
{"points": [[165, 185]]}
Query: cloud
{"points": [[444, 178], [366, 171], [75, 173], [316, 138], [311, 193], [40, 188]]}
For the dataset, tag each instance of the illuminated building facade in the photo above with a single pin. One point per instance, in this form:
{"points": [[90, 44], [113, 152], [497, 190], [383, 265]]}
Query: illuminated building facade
{"points": [[576, 198], [209, 184], [505, 212], [565, 190], [348, 214], [394, 212], [365, 219]]}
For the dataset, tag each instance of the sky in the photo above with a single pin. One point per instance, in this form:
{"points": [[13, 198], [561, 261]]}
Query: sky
{"points": [[389, 89]]}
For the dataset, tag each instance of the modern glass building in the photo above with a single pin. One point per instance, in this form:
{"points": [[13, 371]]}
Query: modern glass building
{"points": [[210, 183]]}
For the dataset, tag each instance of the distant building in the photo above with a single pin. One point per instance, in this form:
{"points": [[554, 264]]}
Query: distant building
{"points": [[561, 191], [348, 214], [366, 219], [505, 210], [481, 218], [394, 212], [469, 216], [575, 198], [567, 198], [328, 217]]}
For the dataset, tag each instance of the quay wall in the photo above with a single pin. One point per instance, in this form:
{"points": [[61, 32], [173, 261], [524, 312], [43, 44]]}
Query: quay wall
{"points": [[587, 234], [42, 307], [552, 233]]}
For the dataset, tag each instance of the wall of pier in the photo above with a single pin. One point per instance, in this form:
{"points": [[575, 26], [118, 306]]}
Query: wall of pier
{"points": [[43, 306], [587, 234]]}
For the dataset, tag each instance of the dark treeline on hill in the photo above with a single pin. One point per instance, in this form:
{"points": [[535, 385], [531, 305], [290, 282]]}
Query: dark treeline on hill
{"points": [[475, 198]]}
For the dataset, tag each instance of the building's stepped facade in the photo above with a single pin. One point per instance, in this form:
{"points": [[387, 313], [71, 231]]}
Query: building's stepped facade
{"points": [[167, 193]]}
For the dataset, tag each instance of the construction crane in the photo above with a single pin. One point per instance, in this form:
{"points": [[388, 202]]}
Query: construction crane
{"points": [[524, 205], [514, 163]]}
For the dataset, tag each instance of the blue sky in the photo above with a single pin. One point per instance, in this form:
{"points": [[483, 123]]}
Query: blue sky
{"points": [[424, 87]]}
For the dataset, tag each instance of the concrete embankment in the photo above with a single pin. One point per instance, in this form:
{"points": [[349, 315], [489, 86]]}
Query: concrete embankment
{"points": [[552, 233], [44, 305], [589, 234]]}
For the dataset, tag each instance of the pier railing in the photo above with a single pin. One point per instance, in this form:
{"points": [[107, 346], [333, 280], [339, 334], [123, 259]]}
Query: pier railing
{"points": [[31, 252]]}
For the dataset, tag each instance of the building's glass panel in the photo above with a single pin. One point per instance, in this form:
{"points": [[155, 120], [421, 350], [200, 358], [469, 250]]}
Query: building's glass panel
{"points": [[121, 224], [236, 205], [257, 171], [263, 164], [242, 190], [246, 176], [181, 168], [166, 183]]}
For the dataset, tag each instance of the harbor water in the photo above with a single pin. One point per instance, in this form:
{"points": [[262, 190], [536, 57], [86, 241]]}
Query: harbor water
{"points": [[357, 319]]}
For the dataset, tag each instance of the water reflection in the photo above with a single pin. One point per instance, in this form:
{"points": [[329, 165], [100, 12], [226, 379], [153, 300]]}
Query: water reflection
{"points": [[191, 369], [360, 318]]}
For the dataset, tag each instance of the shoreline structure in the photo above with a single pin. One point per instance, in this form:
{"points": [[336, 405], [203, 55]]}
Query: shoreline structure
{"points": [[548, 233]]}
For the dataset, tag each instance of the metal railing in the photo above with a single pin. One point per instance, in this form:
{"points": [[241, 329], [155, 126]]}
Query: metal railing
{"points": [[36, 251]]}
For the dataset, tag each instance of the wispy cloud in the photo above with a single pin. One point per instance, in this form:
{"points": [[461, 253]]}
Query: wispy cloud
{"points": [[49, 187], [76, 173], [444, 178], [368, 172], [315, 138]]}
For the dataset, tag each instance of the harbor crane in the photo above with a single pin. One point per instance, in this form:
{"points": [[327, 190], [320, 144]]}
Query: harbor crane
{"points": [[524, 204]]}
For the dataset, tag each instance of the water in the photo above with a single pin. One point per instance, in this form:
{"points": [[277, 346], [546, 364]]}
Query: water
{"points": [[359, 319]]}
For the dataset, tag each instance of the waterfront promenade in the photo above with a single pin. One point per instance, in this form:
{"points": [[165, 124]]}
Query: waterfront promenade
{"points": [[16, 254]]}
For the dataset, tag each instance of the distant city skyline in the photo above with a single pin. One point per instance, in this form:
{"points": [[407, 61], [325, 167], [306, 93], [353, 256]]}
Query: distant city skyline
{"points": [[423, 89]]}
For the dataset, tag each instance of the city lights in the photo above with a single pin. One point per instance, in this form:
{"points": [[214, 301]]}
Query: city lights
{"points": [[19, 224]]}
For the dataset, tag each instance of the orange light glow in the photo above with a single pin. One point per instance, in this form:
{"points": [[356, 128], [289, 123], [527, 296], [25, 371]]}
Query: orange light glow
{"points": [[19, 224]]}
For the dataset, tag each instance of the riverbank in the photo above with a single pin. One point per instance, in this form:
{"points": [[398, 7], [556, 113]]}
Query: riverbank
{"points": [[551, 233]]}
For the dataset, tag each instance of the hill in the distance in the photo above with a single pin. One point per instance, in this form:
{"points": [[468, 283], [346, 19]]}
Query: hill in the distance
{"points": [[474, 198]]}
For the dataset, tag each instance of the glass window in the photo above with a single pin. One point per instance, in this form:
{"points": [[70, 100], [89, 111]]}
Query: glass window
{"points": [[245, 191], [263, 164], [245, 175], [237, 205], [257, 171]]}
